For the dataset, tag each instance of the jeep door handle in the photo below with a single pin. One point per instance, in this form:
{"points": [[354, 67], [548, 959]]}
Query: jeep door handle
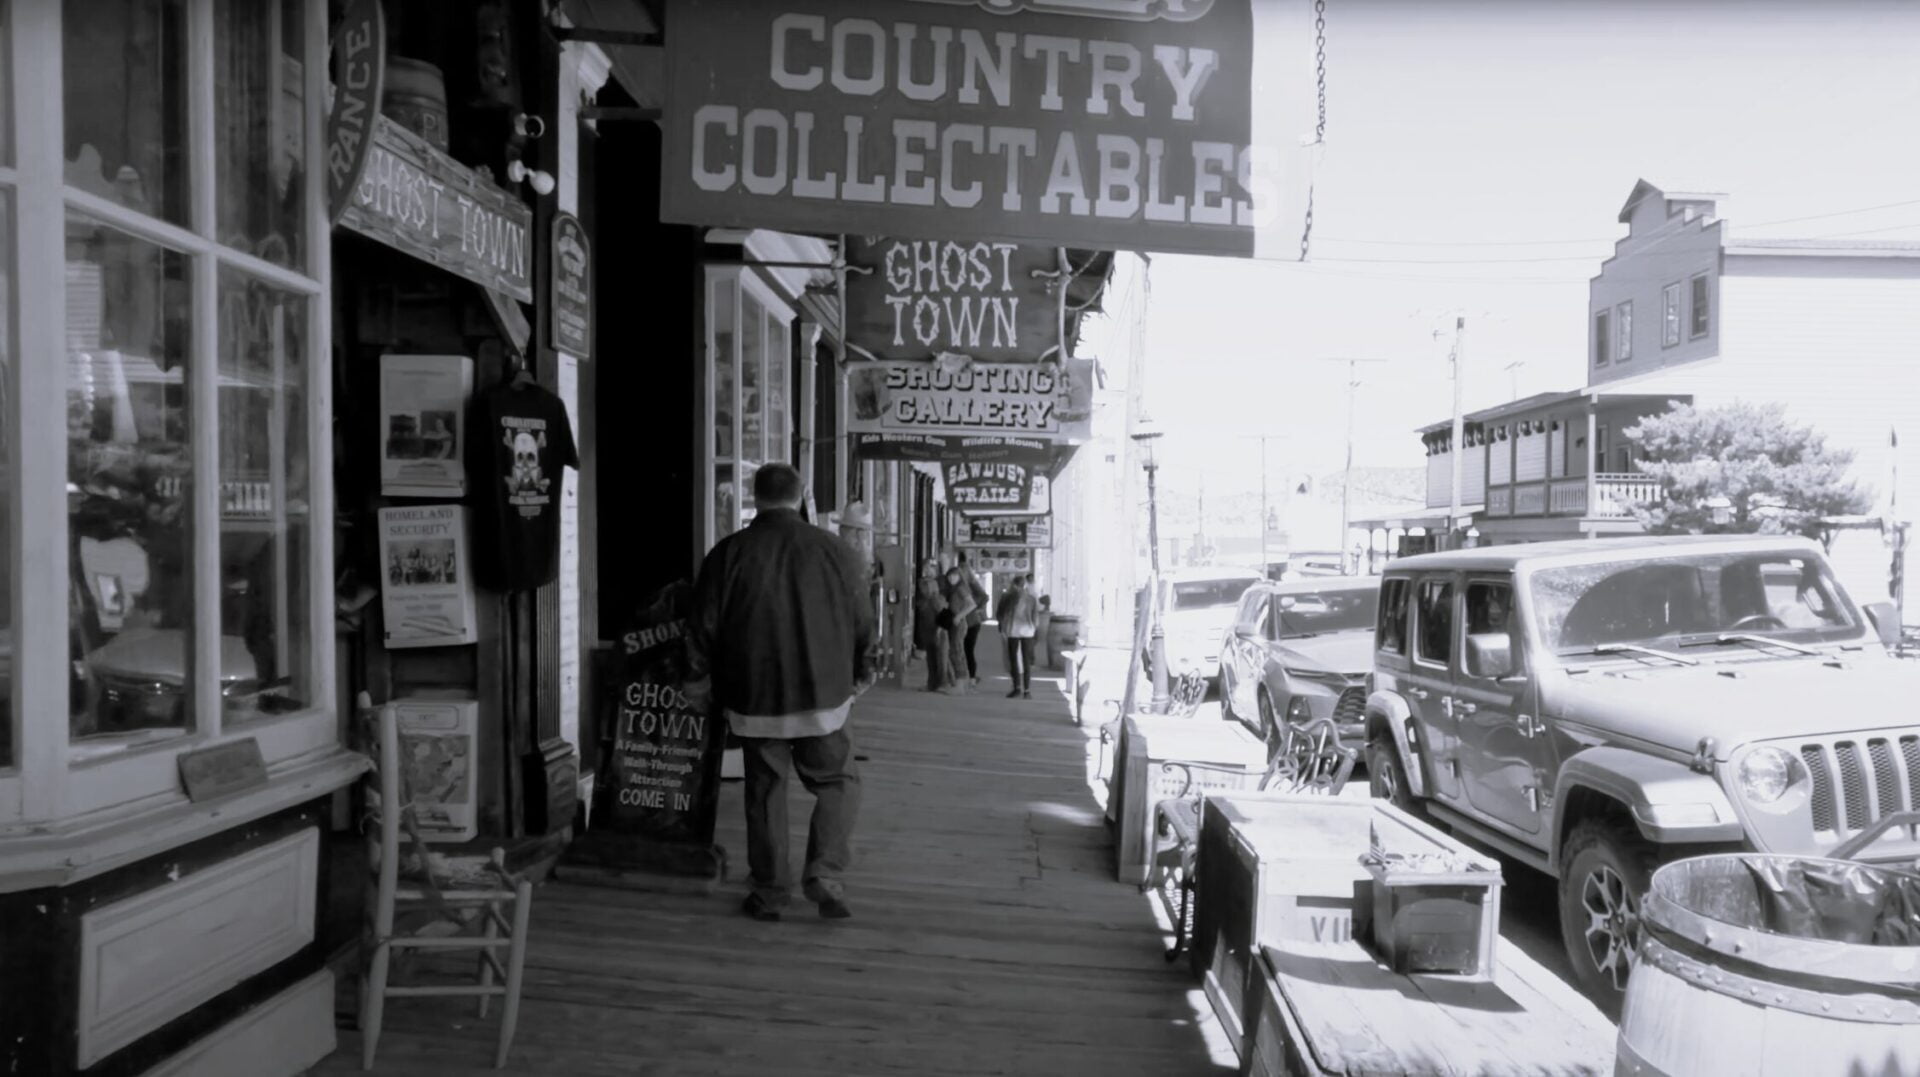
{"points": [[1418, 693], [1463, 706]]}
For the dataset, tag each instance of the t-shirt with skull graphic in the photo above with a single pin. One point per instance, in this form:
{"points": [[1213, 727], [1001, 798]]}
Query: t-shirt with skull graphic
{"points": [[520, 439]]}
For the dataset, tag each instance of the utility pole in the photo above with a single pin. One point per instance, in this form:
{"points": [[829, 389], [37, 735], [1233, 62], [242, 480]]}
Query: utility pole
{"points": [[1158, 645], [1346, 476], [1263, 504], [1459, 423]]}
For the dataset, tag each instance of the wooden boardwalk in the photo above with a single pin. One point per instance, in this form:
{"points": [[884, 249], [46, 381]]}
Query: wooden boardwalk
{"points": [[989, 936]]}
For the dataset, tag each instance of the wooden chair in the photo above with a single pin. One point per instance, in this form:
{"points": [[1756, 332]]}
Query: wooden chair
{"points": [[1308, 759], [439, 907]]}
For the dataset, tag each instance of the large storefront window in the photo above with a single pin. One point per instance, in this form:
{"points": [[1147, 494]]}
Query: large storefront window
{"points": [[126, 103], [749, 340], [129, 486], [8, 535], [260, 130]]}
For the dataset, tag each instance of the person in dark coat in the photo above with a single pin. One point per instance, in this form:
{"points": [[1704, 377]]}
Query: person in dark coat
{"points": [[781, 643], [928, 636]]}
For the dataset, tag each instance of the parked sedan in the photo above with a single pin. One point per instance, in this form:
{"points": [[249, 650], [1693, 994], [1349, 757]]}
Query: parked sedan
{"points": [[1301, 649]]}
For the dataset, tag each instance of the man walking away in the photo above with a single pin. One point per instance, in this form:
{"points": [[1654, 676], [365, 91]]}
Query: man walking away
{"points": [[780, 643], [1019, 618]]}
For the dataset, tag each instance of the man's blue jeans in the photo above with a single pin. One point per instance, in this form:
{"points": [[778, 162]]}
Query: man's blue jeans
{"points": [[825, 765]]}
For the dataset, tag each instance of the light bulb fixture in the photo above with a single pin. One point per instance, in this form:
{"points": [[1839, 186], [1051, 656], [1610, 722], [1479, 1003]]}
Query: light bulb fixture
{"points": [[528, 126], [541, 182]]}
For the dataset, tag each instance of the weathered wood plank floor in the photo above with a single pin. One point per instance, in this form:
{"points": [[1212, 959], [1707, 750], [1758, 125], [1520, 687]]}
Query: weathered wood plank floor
{"points": [[989, 936]]}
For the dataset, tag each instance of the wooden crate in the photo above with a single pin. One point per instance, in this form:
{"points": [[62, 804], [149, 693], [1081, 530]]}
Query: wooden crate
{"points": [[1142, 779], [1434, 922], [1283, 868]]}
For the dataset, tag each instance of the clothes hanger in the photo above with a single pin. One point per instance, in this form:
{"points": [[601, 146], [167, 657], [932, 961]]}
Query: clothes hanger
{"points": [[522, 377]]}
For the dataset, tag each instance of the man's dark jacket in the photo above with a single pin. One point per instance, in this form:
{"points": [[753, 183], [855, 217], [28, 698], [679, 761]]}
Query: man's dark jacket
{"points": [[782, 620]]}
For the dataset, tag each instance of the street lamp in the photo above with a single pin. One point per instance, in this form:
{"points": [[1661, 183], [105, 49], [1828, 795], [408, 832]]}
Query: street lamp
{"points": [[1158, 645]]}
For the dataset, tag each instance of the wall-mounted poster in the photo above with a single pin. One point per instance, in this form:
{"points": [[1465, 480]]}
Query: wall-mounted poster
{"points": [[953, 395], [427, 600], [572, 310], [995, 487], [918, 298], [1030, 532], [423, 409], [437, 742]]}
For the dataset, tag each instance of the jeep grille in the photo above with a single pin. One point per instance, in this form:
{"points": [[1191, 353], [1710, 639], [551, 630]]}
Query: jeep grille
{"points": [[1856, 783]]}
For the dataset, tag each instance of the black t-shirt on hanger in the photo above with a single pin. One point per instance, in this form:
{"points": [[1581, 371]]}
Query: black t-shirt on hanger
{"points": [[520, 440]]}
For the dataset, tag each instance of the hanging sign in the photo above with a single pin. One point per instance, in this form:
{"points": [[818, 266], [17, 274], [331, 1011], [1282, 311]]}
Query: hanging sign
{"points": [[416, 199], [572, 317], [660, 758], [1002, 487], [1029, 532], [1049, 401], [941, 447], [1103, 124], [992, 560], [919, 298], [359, 78]]}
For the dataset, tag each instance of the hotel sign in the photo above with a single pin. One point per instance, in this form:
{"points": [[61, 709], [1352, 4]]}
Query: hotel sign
{"points": [[416, 199], [1104, 124], [1028, 532], [1047, 401]]}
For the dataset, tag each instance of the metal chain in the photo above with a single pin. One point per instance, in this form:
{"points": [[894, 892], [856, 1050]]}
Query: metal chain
{"points": [[1320, 125]]}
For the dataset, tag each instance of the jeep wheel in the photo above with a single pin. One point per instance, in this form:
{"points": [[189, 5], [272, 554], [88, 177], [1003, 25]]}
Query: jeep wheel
{"points": [[1386, 777], [1608, 868]]}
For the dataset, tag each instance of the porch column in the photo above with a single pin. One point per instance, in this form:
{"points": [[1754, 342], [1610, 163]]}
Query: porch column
{"points": [[1593, 466]]}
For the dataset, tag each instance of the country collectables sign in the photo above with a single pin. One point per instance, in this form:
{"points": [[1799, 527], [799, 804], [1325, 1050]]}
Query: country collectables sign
{"points": [[1047, 401], [1026, 532], [995, 487], [919, 298], [1153, 125]]}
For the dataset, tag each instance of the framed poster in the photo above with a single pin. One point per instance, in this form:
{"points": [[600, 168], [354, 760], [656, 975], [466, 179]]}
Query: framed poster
{"points": [[427, 600], [437, 742], [423, 420]]}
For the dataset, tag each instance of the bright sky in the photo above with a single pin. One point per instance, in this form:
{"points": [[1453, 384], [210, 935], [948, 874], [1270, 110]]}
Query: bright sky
{"points": [[1498, 140]]}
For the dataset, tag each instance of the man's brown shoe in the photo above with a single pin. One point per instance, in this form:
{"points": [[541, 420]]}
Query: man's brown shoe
{"points": [[758, 908]]}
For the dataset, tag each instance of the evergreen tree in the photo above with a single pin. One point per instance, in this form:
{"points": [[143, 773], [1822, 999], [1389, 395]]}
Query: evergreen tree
{"points": [[1777, 477]]}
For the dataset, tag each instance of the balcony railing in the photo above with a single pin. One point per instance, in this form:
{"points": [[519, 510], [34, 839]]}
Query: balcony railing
{"points": [[1614, 495]]}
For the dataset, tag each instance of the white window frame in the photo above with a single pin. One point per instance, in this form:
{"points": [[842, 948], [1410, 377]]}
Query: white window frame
{"points": [[773, 306], [1693, 306], [1670, 315], [47, 787], [1623, 331]]}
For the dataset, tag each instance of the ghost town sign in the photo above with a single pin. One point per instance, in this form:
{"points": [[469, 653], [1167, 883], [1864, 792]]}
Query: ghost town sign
{"points": [[1107, 128], [414, 198], [914, 299]]}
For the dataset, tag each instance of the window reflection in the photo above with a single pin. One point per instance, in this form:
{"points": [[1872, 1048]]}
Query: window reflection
{"points": [[265, 515], [128, 485], [260, 126], [126, 103], [752, 414]]}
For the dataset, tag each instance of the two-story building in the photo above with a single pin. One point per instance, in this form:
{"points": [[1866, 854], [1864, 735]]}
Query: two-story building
{"points": [[1685, 311]]}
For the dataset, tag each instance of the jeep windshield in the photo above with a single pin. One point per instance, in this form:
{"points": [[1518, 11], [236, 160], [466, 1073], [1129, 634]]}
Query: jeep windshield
{"points": [[1682, 599]]}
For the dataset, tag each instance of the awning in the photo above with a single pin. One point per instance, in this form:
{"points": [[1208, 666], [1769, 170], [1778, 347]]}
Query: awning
{"points": [[1407, 519]]}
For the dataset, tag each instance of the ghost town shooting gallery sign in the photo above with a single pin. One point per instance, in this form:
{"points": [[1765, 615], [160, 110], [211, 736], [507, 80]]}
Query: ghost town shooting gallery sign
{"points": [[1105, 124], [1050, 401], [918, 298]]}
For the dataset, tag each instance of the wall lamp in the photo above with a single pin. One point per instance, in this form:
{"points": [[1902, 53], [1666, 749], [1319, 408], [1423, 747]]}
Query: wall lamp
{"points": [[541, 182]]}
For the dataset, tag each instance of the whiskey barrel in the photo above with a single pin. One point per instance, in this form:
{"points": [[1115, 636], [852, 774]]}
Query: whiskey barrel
{"points": [[1717, 991], [416, 99]]}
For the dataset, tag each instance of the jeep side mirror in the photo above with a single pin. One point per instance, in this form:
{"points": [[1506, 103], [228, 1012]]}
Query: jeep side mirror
{"points": [[1886, 621], [1490, 655], [1249, 630]]}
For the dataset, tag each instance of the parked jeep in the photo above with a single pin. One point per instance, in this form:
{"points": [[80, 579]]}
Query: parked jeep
{"points": [[1596, 708]]}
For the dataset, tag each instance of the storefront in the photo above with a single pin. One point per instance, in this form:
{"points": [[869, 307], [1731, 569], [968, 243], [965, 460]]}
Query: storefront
{"points": [[206, 522]]}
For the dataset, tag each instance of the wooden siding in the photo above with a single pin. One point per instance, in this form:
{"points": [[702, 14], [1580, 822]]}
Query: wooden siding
{"points": [[1660, 249], [989, 935], [1530, 458]]}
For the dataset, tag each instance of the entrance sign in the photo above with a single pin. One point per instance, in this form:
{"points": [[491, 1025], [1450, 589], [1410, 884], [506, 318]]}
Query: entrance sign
{"points": [[359, 78], [572, 317], [918, 298], [1029, 532], [1105, 124], [416, 199], [1048, 401], [1002, 487]]}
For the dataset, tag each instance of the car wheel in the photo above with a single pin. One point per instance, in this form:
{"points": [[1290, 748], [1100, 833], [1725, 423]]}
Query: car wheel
{"points": [[1608, 868], [1387, 776]]}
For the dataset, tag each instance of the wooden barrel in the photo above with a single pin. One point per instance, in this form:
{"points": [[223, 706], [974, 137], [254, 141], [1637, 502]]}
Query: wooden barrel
{"points": [[1716, 992], [416, 99], [1063, 634]]}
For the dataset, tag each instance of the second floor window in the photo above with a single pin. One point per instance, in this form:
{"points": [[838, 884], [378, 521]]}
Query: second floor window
{"points": [[1670, 316], [1601, 339], [1623, 328], [1701, 307]]}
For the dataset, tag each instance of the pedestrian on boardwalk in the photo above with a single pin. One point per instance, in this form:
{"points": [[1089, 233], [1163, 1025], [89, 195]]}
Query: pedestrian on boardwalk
{"points": [[974, 620], [1019, 618], [928, 607], [962, 604], [780, 643]]}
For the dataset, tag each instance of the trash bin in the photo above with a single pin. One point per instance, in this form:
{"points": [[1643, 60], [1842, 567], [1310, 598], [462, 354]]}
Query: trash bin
{"points": [[1062, 634], [1811, 960]]}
